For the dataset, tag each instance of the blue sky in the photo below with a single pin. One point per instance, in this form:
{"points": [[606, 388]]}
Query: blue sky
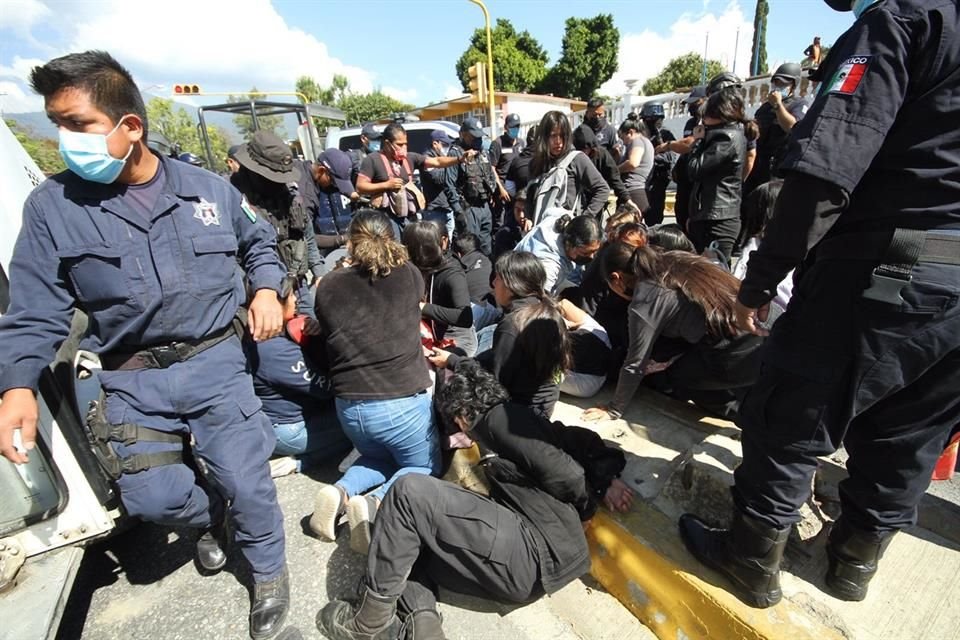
{"points": [[408, 48]]}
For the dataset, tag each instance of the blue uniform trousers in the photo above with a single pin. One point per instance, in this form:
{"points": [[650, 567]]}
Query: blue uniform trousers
{"points": [[211, 398], [881, 379]]}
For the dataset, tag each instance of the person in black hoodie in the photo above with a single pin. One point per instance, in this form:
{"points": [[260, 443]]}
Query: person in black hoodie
{"points": [[585, 140], [526, 540], [445, 302], [531, 346]]}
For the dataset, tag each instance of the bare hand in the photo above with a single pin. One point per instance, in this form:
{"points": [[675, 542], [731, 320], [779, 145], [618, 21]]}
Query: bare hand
{"points": [[469, 155], [775, 99], [748, 319], [438, 358], [504, 195], [630, 204], [619, 496], [18, 410], [663, 147], [526, 224], [266, 315], [395, 184], [699, 132], [595, 414]]}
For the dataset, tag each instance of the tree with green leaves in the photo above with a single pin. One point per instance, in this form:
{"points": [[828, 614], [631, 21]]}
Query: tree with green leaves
{"points": [[758, 56], [587, 60], [683, 71], [180, 129], [317, 94], [365, 107], [519, 62], [244, 123], [44, 151]]}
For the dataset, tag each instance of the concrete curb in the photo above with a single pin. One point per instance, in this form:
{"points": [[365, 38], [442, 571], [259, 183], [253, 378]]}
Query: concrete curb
{"points": [[632, 559]]}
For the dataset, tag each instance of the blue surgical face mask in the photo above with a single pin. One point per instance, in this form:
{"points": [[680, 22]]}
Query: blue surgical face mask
{"points": [[513, 132], [860, 6], [783, 91], [86, 154], [373, 145]]}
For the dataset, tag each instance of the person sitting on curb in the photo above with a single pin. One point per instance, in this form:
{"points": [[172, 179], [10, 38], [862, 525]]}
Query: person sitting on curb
{"points": [[526, 540]]}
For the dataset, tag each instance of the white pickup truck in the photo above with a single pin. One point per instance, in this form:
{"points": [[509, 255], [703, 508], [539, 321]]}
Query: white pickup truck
{"points": [[61, 499]]}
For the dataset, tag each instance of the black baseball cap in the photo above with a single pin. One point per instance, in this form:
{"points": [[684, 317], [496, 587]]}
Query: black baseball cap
{"points": [[339, 165], [697, 93], [370, 132], [472, 126]]}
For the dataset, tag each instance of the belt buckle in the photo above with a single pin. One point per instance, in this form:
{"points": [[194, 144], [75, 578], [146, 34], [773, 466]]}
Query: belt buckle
{"points": [[165, 355], [885, 288]]}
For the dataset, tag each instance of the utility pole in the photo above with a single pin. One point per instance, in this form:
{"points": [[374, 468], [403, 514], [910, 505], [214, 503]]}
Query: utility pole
{"points": [[703, 73], [736, 47]]}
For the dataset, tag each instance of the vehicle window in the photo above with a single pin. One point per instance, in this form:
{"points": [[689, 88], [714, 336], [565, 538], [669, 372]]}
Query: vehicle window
{"points": [[418, 140], [28, 492], [349, 142]]}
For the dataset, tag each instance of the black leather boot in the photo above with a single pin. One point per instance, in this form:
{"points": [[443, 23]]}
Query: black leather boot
{"points": [[853, 556], [271, 601], [374, 619], [211, 549], [748, 554], [422, 624]]}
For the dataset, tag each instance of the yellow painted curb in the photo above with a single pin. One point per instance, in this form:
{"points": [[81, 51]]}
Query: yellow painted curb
{"points": [[676, 604]]}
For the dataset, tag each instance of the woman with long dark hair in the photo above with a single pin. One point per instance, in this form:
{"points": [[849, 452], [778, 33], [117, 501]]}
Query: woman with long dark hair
{"points": [[562, 244], [525, 540], [682, 323], [369, 318], [715, 166], [584, 190], [531, 346], [446, 298], [637, 163]]}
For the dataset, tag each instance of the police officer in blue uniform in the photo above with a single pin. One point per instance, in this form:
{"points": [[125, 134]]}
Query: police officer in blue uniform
{"points": [[148, 248], [868, 352]]}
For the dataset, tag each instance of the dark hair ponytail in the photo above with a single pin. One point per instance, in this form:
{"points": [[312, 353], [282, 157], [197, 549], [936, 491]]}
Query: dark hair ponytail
{"points": [[578, 231]]}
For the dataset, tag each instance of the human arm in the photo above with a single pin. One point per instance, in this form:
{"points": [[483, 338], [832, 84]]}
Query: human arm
{"points": [[785, 119], [633, 159], [314, 259], [749, 160], [450, 180], [711, 157], [591, 186], [437, 162], [611, 175], [454, 307], [372, 180]]}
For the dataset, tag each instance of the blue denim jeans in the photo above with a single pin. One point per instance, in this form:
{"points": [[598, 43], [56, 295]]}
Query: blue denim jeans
{"points": [[394, 437], [316, 440]]}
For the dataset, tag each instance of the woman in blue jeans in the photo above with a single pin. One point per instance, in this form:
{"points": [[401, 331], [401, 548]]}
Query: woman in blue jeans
{"points": [[369, 322]]}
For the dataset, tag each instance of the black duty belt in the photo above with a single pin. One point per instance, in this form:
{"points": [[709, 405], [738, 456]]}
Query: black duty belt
{"points": [[164, 355], [897, 252]]}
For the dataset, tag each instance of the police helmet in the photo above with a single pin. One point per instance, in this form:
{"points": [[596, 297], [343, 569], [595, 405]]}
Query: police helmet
{"points": [[725, 80], [652, 110], [789, 72], [190, 158]]}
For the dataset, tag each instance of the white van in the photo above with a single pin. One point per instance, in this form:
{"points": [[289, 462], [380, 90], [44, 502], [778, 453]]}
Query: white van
{"points": [[418, 135]]}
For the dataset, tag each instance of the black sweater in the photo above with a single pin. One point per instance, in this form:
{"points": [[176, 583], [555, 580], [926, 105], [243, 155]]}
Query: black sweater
{"points": [[448, 297], [370, 332], [553, 476]]}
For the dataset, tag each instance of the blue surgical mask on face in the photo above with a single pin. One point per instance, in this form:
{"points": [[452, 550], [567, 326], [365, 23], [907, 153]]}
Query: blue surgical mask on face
{"points": [[373, 145], [783, 91], [860, 6], [513, 132], [87, 155]]}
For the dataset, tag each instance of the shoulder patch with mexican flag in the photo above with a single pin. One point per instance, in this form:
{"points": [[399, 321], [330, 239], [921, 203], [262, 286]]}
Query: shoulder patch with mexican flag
{"points": [[847, 78]]}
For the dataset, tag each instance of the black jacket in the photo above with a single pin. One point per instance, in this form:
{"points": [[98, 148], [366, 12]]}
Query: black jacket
{"points": [[553, 476], [447, 296], [610, 171], [477, 267], [715, 167]]}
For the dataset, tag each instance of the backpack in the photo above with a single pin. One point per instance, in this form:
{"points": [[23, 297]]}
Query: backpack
{"points": [[550, 189]]}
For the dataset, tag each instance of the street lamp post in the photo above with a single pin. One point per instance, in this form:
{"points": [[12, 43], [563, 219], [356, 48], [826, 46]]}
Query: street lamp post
{"points": [[490, 91]]}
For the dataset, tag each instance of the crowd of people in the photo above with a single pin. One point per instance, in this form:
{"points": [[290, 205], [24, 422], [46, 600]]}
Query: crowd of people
{"points": [[405, 305]]}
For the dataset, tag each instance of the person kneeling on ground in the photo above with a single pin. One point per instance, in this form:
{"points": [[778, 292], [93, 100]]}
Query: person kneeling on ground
{"points": [[526, 540], [296, 395]]}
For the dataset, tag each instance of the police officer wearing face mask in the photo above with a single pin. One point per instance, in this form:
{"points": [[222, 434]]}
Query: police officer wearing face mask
{"points": [[434, 181], [148, 248], [472, 185], [652, 114], [369, 143], [868, 352], [775, 118], [605, 133]]}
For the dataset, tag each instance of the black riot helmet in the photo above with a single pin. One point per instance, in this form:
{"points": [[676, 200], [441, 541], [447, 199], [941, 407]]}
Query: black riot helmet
{"points": [[725, 80], [839, 5], [652, 110], [789, 72]]}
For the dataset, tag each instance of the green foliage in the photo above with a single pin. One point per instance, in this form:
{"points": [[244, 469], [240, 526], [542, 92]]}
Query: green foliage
{"points": [[684, 71], [358, 107], [588, 58], [44, 151], [328, 96], [519, 62], [180, 129], [760, 38], [244, 123]]}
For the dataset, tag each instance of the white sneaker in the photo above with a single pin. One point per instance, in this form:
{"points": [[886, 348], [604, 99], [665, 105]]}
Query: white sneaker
{"points": [[361, 510], [282, 466], [326, 508]]}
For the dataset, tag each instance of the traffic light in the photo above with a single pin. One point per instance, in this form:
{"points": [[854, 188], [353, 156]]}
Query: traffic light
{"points": [[478, 82], [186, 89]]}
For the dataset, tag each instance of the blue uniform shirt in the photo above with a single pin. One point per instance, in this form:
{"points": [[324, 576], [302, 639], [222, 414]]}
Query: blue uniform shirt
{"points": [[142, 281], [291, 387]]}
